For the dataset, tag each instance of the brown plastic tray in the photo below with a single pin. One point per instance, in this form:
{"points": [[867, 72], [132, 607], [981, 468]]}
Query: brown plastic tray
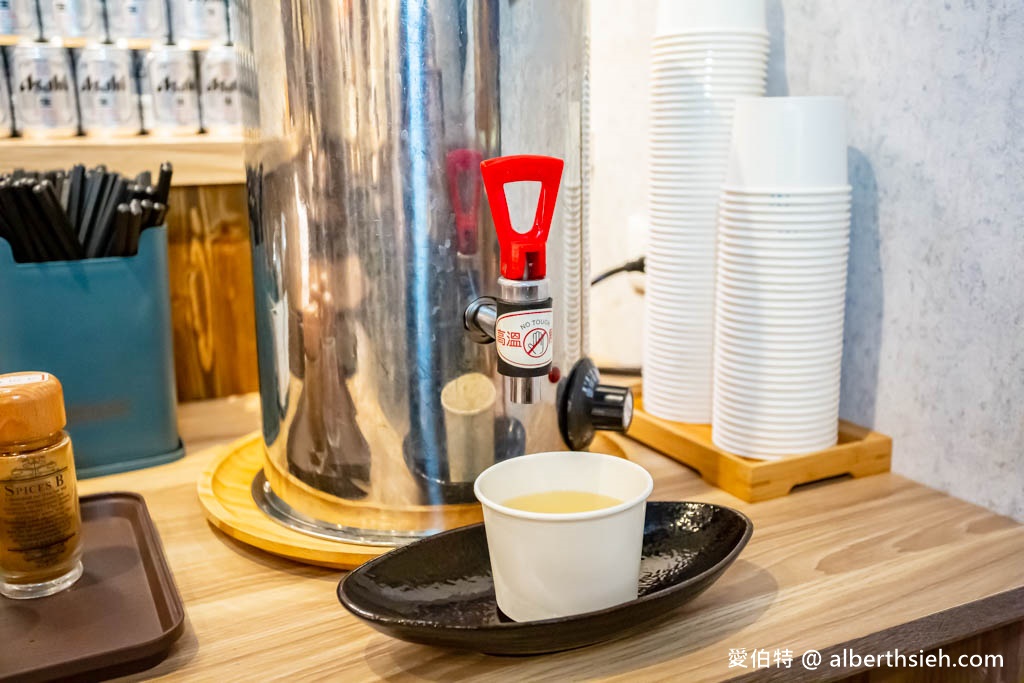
{"points": [[122, 616]]}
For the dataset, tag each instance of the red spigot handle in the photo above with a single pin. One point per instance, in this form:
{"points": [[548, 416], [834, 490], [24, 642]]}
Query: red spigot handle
{"points": [[461, 167], [523, 254]]}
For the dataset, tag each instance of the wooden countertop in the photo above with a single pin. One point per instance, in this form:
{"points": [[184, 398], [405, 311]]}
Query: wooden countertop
{"points": [[872, 564]]}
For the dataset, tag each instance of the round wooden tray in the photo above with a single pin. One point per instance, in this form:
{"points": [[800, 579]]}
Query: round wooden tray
{"points": [[224, 489]]}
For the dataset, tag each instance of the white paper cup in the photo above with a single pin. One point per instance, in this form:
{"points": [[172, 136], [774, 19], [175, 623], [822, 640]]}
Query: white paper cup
{"points": [[794, 335], [821, 422], [696, 155], [690, 385], [776, 193], [708, 74], [769, 242], [759, 391], [760, 453], [678, 343], [775, 435], [690, 177], [791, 251], [679, 352], [683, 299], [806, 431], [695, 128], [755, 260], [684, 378], [673, 133], [712, 38], [675, 16], [690, 89], [778, 252], [547, 566], [798, 276], [704, 84], [781, 291], [697, 411], [721, 43], [793, 142], [711, 65], [809, 273], [730, 203], [756, 315], [676, 224], [746, 225], [770, 375], [758, 448], [762, 398]]}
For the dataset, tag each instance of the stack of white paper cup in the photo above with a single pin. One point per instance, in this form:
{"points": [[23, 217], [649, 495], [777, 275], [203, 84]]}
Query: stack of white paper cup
{"points": [[705, 54], [783, 242]]}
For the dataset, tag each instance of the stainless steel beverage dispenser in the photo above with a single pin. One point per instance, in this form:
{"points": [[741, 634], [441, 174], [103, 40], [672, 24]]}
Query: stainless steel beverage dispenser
{"points": [[376, 262]]}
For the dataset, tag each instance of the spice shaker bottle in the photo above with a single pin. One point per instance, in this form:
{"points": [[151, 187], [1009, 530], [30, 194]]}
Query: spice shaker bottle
{"points": [[40, 521]]}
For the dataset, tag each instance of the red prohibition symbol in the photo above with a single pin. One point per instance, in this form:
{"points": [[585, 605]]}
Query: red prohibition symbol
{"points": [[536, 343]]}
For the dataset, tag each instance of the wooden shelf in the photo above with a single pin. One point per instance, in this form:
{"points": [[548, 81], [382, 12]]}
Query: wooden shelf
{"points": [[130, 43], [199, 160]]}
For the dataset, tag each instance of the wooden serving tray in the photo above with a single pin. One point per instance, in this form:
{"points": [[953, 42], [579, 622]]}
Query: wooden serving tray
{"points": [[859, 452]]}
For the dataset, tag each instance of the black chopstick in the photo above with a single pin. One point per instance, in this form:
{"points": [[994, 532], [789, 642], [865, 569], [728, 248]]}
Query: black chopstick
{"points": [[134, 228], [46, 242], [102, 235], [159, 214], [57, 220], [17, 230], [163, 184], [79, 213]]}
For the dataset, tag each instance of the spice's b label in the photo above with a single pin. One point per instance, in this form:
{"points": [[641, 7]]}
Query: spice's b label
{"points": [[523, 338], [39, 523]]}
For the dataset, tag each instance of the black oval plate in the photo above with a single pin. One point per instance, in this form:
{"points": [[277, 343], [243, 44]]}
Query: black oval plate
{"points": [[438, 591]]}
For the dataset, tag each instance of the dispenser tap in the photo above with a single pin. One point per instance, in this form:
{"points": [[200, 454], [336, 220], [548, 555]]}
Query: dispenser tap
{"points": [[519, 320]]}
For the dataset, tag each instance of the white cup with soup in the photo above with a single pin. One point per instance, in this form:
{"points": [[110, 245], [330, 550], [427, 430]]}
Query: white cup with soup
{"points": [[564, 532]]}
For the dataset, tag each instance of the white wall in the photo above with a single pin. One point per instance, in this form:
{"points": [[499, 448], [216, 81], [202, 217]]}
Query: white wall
{"points": [[620, 33], [934, 347]]}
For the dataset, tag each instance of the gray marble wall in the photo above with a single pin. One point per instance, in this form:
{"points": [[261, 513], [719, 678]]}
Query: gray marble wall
{"points": [[934, 349]]}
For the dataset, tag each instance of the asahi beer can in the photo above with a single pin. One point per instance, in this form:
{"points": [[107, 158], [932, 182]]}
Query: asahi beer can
{"points": [[106, 93], [199, 20], [72, 19], [18, 18], [239, 20], [169, 82], [136, 19], [6, 114], [220, 99], [43, 91]]}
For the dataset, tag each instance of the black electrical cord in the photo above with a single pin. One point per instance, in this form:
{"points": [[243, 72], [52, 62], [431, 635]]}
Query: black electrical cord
{"points": [[634, 266]]}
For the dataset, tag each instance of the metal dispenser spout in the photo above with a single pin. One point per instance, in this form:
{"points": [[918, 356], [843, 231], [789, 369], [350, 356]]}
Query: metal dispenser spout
{"points": [[519, 320]]}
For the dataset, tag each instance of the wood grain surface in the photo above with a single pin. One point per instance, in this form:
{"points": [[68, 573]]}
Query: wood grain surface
{"points": [[858, 452], [877, 561], [211, 292], [198, 159]]}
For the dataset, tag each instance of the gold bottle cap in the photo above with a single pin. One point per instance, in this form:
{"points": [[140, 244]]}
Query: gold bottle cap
{"points": [[31, 406]]}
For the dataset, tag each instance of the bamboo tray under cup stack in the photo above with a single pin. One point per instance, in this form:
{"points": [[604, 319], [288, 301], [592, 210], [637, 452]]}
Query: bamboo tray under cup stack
{"points": [[859, 452]]}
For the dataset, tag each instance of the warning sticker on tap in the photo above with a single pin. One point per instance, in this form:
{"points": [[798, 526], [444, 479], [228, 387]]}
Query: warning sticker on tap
{"points": [[523, 338]]}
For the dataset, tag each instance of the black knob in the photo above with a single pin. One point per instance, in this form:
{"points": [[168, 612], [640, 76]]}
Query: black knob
{"points": [[585, 405], [611, 408]]}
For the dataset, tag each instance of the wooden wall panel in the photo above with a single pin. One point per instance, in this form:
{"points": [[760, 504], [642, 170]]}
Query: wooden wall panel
{"points": [[211, 292]]}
